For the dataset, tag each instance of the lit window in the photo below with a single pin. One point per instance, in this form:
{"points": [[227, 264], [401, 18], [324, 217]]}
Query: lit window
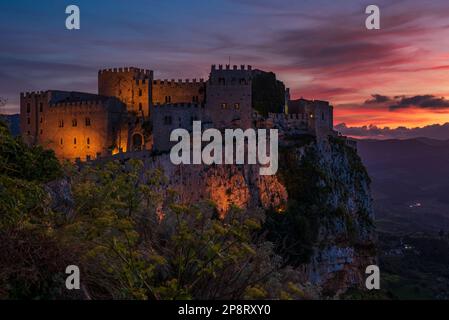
{"points": [[74, 123], [237, 106], [87, 122], [224, 105]]}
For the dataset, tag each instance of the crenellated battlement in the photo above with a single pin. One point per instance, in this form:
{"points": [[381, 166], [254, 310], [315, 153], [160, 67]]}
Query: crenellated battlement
{"points": [[146, 72], [283, 116], [173, 82], [180, 105], [234, 67], [80, 104], [33, 94]]}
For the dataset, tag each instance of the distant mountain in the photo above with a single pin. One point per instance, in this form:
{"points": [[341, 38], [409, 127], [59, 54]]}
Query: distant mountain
{"points": [[13, 122], [410, 183]]}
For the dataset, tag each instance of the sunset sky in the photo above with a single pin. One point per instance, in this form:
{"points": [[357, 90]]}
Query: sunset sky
{"points": [[396, 77]]}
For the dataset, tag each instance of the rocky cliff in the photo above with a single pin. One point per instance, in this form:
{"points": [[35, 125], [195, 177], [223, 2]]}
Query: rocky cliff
{"points": [[318, 206]]}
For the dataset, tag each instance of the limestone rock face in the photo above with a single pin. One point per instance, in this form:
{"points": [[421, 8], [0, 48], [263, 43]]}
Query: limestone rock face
{"points": [[225, 185], [339, 188]]}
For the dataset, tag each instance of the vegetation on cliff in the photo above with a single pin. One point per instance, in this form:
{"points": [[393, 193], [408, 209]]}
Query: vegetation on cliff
{"points": [[133, 239], [129, 241]]}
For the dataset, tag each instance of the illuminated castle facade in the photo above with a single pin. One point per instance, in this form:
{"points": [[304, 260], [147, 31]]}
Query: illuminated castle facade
{"points": [[134, 112]]}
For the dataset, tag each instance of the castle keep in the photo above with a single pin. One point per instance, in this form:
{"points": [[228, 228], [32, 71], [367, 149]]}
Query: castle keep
{"points": [[134, 112]]}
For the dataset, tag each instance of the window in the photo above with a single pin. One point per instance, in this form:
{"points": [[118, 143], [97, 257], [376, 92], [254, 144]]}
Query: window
{"points": [[195, 99], [74, 123], [61, 123], [41, 132], [41, 107], [74, 140], [42, 120], [140, 92], [120, 92], [28, 133], [61, 141], [87, 122], [237, 106], [167, 99], [224, 105], [140, 106], [28, 108], [29, 121], [167, 120], [221, 81], [88, 140]]}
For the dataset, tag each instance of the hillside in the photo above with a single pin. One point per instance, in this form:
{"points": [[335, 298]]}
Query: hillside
{"points": [[409, 183]]}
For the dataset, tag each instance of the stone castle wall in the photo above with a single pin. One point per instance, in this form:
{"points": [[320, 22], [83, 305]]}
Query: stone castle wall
{"points": [[132, 86], [181, 91], [169, 117], [223, 101], [77, 129], [228, 97]]}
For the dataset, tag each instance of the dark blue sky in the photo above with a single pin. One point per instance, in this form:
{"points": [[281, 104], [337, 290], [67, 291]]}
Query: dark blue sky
{"points": [[319, 48]]}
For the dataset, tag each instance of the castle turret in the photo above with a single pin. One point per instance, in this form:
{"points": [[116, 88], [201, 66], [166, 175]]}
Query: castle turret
{"points": [[228, 96], [130, 85]]}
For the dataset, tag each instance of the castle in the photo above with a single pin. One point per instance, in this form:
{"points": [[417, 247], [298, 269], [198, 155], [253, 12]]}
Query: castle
{"points": [[134, 112]]}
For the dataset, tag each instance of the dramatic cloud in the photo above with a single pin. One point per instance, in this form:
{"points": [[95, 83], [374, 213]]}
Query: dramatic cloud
{"points": [[422, 101], [377, 98], [435, 131]]}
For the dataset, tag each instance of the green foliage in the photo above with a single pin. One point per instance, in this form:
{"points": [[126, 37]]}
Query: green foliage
{"points": [[268, 94], [138, 244], [28, 163], [31, 262], [294, 231]]}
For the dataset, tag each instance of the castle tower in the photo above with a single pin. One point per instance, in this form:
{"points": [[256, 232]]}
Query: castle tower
{"points": [[131, 85], [228, 96], [33, 106]]}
